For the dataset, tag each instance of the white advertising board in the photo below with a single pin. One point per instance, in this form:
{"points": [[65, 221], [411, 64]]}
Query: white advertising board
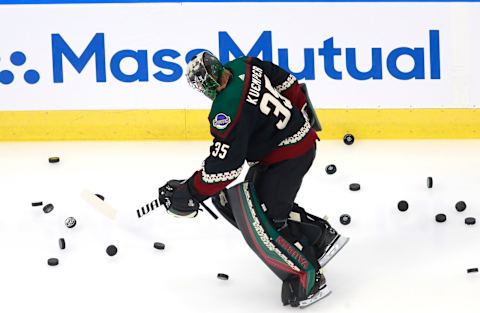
{"points": [[133, 56]]}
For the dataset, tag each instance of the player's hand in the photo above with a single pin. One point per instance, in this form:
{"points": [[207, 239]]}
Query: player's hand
{"points": [[176, 198]]}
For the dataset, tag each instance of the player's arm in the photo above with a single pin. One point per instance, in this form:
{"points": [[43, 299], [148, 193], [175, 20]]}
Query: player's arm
{"points": [[225, 161]]}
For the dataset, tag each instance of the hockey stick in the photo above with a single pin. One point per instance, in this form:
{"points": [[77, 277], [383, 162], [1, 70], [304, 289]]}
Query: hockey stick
{"points": [[155, 204]]}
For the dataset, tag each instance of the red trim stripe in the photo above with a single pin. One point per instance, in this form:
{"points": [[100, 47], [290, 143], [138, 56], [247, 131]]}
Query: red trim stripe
{"points": [[292, 151]]}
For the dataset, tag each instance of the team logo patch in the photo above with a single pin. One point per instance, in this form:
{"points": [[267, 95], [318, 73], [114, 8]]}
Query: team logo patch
{"points": [[221, 121]]}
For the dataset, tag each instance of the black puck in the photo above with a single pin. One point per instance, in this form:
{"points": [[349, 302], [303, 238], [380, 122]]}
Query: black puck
{"points": [[100, 196], [348, 139], [470, 220], [70, 222], [429, 182], [159, 246], [48, 208], [440, 218], [472, 270], [222, 276], [40, 203], [52, 261], [53, 160], [402, 206], [331, 169], [345, 219], [112, 250], [460, 206], [354, 187], [61, 243]]}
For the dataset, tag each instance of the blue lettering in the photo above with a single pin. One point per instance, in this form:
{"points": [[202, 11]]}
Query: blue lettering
{"points": [[262, 45], [434, 54], [96, 47], [158, 60], [141, 58], [308, 71], [374, 72], [329, 52], [418, 70]]}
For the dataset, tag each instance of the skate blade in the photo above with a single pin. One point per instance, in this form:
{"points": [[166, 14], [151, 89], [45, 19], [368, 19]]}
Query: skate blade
{"points": [[334, 249], [322, 293]]}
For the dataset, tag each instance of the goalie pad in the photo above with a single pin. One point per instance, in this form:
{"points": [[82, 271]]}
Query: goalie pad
{"points": [[279, 254]]}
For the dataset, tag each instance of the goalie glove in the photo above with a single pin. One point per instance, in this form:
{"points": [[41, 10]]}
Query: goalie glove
{"points": [[177, 199]]}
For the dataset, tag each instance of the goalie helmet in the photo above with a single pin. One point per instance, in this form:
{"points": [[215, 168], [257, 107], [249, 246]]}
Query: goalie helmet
{"points": [[204, 71]]}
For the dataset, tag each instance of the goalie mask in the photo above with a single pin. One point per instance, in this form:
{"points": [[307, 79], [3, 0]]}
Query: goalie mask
{"points": [[203, 73]]}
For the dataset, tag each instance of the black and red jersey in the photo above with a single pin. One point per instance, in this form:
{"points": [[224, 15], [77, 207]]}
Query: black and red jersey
{"points": [[258, 117]]}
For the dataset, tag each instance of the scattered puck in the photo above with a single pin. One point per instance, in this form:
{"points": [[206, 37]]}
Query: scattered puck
{"points": [[402, 206], [40, 203], [460, 206], [52, 262], [331, 169], [348, 139], [48, 208], [222, 276], [159, 246], [345, 219], [100, 196], [112, 250], [53, 160], [429, 182], [470, 220], [354, 187], [70, 222], [440, 218], [472, 270], [61, 243]]}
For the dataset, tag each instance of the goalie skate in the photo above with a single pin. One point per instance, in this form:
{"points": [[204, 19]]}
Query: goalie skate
{"points": [[332, 249]]}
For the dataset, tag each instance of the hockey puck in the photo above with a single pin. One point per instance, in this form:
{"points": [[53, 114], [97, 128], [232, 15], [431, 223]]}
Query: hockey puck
{"points": [[354, 187], [472, 270], [159, 246], [53, 160], [40, 203], [440, 218], [61, 243], [222, 276], [345, 219], [100, 196], [52, 261], [48, 208], [429, 182], [348, 139], [331, 169], [460, 206], [470, 221], [70, 222], [402, 206], [111, 250]]}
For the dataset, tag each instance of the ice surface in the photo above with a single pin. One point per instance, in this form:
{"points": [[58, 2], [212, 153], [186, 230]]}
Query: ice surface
{"points": [[395, 262]]}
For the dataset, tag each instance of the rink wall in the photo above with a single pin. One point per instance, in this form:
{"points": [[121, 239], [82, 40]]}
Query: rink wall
{"points": [[114, 70]]}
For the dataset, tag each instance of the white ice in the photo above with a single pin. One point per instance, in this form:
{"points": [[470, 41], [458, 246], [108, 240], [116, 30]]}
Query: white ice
{"points": [[395, 262]]}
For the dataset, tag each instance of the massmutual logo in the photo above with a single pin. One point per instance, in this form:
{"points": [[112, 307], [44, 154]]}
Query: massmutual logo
{"points": [[18, 59], [167, 64]]}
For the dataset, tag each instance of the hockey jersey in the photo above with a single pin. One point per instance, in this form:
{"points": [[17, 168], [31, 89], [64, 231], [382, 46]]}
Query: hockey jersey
{"points": [[259, 118]]}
